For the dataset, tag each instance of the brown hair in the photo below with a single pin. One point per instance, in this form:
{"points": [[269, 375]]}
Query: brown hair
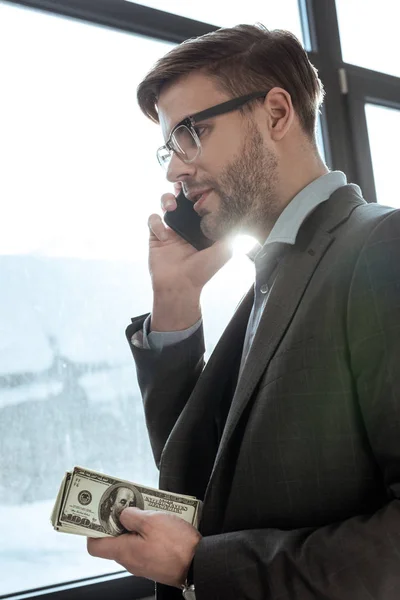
{"points": [[241, 59]]}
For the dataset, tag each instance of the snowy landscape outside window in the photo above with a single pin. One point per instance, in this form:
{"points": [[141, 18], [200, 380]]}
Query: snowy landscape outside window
{"points": [[79, 178]]}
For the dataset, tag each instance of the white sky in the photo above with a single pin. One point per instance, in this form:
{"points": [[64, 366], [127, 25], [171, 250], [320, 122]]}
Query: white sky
{"points": [[369, 31], [78, 170], [79, 173]]}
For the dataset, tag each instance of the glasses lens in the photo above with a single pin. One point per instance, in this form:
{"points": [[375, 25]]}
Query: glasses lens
{"points": [[185, 143], [164, 157]]}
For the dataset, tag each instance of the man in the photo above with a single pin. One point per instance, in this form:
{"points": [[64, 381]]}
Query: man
{"points": [[291, 432], [110, 511]]}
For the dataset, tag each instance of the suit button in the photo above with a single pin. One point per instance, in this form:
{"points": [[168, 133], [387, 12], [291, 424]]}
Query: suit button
{"points": [[264, 288]]}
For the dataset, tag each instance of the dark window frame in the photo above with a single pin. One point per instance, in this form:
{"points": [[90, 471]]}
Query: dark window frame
{"points": [[345, 136], [119, 585], [366, 86]]}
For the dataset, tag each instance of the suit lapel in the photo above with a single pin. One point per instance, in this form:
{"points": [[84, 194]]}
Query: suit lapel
{"points": [[295, 272]]}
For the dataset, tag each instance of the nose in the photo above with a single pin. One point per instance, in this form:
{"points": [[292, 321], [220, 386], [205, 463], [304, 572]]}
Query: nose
{"points": [[179, 170]]}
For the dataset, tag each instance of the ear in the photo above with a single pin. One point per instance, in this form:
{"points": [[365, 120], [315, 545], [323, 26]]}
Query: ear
{"points": [[280, 112]]}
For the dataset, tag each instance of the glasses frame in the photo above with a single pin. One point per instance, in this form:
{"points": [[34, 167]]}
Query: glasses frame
{"points": [[192, 120]]}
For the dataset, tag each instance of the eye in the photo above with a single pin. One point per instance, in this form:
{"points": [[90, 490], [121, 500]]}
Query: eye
{"points": [[200, 130]]}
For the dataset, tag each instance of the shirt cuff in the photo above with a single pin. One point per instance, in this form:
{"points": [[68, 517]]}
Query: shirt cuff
{"points": [[157, 340]]}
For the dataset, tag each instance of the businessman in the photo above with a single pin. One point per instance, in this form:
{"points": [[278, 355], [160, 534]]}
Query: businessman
{"points": [[290, 433]]}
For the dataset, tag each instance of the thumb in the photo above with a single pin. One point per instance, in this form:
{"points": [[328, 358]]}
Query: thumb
{"points": [[133, 519]]}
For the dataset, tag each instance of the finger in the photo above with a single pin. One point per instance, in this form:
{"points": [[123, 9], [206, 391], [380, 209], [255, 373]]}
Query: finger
{"points": [[168, 202], [135, 519], [104, 547], [157, 227], [177, 187]]}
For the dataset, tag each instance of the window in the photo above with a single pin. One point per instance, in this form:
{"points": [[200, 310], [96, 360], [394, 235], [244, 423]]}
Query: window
{"points": [[369, 33], [274, 15], [79, 179], [383, 132]]}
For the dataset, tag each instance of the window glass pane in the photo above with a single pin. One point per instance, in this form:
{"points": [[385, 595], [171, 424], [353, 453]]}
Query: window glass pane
{"points": [[380, 121], [274, 15], [79, 177], [369, 33]]}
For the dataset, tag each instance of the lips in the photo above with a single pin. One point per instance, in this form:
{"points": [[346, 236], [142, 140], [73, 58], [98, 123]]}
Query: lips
{"points": [[195, 195], [200, 199]]}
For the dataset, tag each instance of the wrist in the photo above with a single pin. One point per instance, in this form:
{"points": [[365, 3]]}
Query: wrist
{"points": [[187, 577], [174, 311]]}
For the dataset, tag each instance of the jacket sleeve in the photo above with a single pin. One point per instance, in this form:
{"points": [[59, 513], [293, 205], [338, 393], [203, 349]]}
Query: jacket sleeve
{"points": [[166, 379], [359, 558]]}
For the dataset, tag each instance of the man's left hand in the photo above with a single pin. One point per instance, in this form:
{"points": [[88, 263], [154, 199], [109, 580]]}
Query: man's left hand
{"points": [[159, 546]]}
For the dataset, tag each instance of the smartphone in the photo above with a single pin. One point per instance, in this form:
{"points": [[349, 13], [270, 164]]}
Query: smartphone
{"points": [[185, 221]]}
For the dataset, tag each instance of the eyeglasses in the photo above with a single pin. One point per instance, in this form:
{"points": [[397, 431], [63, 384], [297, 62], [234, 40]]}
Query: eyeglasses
{"points": [[184, 140]]}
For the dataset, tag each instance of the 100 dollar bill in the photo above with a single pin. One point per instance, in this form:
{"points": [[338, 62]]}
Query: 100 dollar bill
{"points": [[90, 503]]}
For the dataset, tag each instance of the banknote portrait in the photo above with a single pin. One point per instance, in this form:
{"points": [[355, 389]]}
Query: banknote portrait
{"points": [[114, 500]]}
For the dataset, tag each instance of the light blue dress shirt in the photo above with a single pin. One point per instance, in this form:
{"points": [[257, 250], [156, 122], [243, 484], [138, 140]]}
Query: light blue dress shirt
{"points": [[284, 232]]}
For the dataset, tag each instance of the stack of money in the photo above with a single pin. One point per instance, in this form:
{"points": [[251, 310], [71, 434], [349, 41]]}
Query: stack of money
{"points": [[90, 503]]}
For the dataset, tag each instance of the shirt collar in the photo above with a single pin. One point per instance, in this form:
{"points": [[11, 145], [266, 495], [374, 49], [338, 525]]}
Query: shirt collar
{"points": [[294, 214]]}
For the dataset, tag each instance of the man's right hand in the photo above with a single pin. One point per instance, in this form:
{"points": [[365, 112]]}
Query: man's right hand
{"points": [[179, 273]]}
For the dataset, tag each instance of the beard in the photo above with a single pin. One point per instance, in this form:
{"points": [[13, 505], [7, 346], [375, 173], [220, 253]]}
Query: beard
{"points": [[247, 192]]}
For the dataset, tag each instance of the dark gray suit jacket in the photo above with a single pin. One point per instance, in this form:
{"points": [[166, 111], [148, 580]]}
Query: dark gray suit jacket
{"points": [[298, 462]]}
